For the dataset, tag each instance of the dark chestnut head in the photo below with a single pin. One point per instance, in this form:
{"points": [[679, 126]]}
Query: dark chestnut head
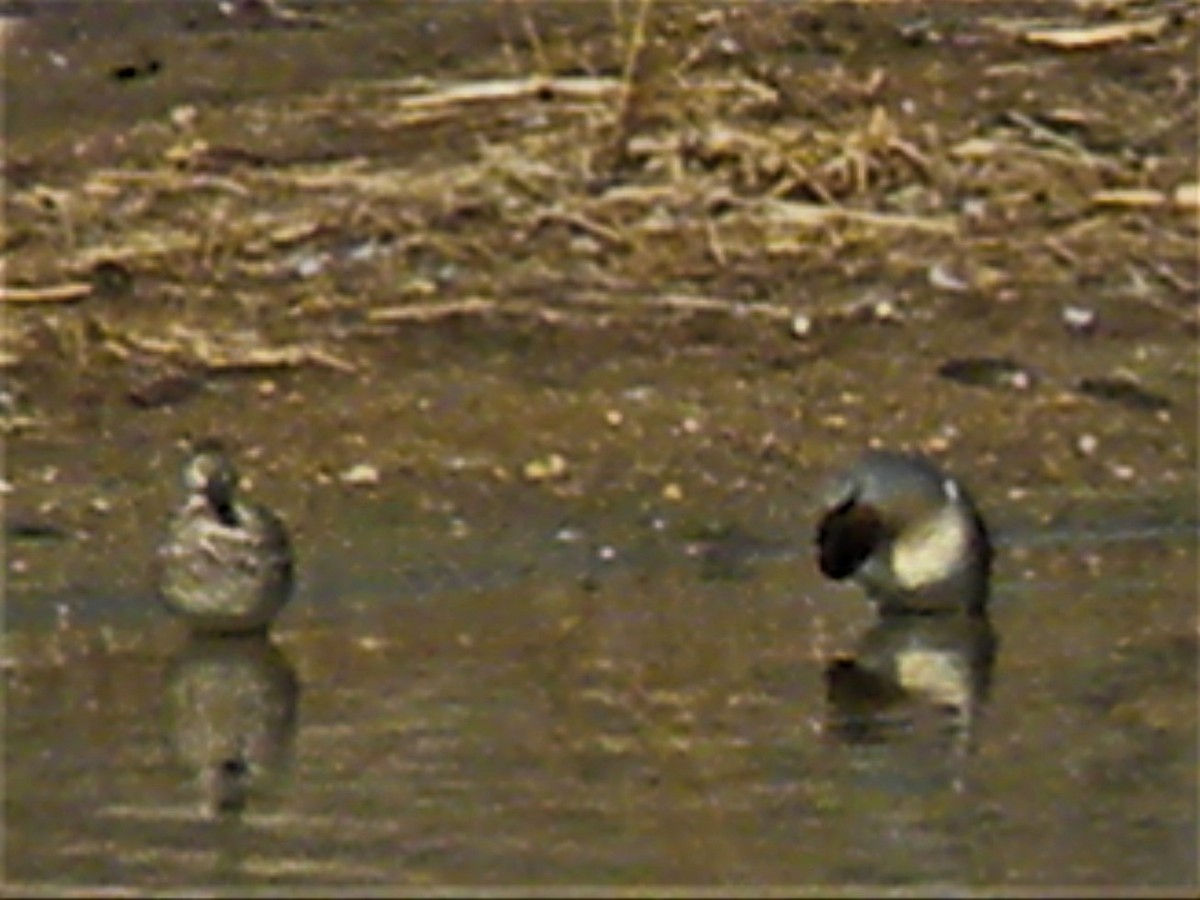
{"points": [[908, 533]]}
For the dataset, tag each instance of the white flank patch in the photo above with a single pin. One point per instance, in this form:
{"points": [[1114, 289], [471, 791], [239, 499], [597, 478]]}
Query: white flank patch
{"points": [[932, 549], [935, 674]]}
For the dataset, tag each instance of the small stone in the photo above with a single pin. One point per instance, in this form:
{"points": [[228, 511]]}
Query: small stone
{"points": [[1087, 444], [607, 553], [885, 311], [183, 116], [728, 46], [100, 505], [939, 443], [1079, 319], [613, 417], [690, 425], [552, 466], [361, 474], [672, 492], [942, 278], [802, 325]]}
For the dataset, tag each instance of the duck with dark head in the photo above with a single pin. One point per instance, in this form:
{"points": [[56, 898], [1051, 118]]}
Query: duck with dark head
{"points": [[913, 538]]}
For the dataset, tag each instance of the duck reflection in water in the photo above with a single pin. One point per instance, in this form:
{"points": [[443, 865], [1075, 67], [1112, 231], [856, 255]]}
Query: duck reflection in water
{"points": [[913, 539], [231, 712]]}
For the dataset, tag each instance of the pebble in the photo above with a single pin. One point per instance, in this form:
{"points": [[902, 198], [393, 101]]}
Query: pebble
{"points": [[942, 278], [1079, 319], [552, 466], [361, 474]]}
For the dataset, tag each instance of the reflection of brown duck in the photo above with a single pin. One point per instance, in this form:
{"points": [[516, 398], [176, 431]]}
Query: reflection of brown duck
{"points": [[912, 537], [231, 714], [226, 563]]}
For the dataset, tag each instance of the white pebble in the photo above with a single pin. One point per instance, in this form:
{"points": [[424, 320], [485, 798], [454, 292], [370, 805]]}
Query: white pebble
{"points": [[802, 325], [361, 474]]}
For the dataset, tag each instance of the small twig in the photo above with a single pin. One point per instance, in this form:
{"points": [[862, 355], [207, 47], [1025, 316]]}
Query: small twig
{"points": [[685, 303], [1050, 136], [716, 246], [581, 88], [431, 312], [811, 214], [173, 180], [197, 349], [1096, 35], [630, 82], [277, 358], [1171, 277], [59, 293], [580, 222]]}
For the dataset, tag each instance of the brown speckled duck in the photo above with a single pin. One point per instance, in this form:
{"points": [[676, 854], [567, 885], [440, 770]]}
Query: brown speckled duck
{"points": [[226, 564]]}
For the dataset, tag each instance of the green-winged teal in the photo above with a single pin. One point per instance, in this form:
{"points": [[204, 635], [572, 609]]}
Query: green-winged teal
{"points": [[910, 535], [226, 563], [913, 538]]}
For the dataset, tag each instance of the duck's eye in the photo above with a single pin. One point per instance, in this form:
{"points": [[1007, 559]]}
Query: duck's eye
{"points": [[846, 537]]}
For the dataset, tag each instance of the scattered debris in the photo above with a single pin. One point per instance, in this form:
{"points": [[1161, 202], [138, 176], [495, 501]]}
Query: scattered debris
{"points": [[545, 469], [1079, 319], [19, 527], [360, 475], [164, 388], [59, 293], [1123, 389], [988, 371], [1087, 37]]}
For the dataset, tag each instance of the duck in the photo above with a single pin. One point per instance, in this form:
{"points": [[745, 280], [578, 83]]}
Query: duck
{"points": [[914, 540], [226, 563], [909, 534]]}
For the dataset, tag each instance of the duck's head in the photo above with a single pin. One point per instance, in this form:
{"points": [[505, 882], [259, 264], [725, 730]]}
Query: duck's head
{"points": [[210, 476], [905, 531]]}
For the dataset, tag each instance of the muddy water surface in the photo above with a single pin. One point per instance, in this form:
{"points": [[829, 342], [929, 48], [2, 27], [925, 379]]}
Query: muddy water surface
{"points": [[521, 711]]}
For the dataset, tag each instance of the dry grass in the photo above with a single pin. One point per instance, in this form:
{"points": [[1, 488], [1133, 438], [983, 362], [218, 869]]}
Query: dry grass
{"points": [[707, 172]]}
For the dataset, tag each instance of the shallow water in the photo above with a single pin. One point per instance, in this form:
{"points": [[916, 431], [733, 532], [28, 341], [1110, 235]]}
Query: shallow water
{"points": [[652, 718]]}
